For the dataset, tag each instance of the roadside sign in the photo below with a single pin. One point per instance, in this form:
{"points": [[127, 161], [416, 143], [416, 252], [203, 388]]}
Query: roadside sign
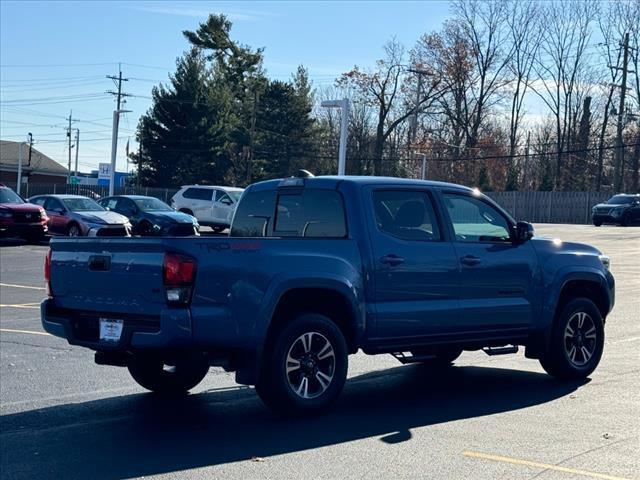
{"points": [[74, 180], [104, 171]]}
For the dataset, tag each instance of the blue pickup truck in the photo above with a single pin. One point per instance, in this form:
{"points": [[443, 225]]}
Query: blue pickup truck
{"points": [[315, 269]]}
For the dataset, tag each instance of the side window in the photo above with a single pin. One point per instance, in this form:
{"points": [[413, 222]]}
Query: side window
{"points": [[310, 214], [406, 214], [254, 215], [223, 198], [109, 203], [126, 205], [198, 193], [51, 204], [476, 221]]}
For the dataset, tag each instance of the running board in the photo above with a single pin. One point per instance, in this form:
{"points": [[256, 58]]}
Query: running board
{"points": [[404, 359], [500, 350]]}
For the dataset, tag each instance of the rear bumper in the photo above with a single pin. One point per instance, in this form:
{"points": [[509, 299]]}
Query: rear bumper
{"points": [[172, 329]]}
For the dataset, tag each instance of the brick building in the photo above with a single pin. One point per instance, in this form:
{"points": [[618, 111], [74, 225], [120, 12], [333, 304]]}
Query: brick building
{"points": [[42, 168]]}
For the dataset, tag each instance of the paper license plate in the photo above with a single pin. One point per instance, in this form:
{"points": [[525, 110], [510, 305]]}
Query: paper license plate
{"points": [[110, 330]]}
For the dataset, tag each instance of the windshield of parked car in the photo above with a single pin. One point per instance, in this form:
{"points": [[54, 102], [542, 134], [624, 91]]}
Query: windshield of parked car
{"points": [[81, 205], [152, 205], [235, 195], [9, 196], [620, 200]]}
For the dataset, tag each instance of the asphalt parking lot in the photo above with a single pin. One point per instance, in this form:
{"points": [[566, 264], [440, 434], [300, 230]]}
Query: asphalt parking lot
{"points": [[62, 416]]}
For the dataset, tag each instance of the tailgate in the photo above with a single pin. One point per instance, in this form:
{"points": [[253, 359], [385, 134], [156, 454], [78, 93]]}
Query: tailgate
{"points": [[108, 275]]}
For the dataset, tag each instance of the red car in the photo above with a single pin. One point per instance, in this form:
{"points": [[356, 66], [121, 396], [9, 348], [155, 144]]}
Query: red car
{"points": [[19, 218]]}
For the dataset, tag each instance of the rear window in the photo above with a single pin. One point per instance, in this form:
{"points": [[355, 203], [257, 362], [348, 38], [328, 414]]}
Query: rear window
{"points": [[309, 214], [198, 193], [254, 215]]}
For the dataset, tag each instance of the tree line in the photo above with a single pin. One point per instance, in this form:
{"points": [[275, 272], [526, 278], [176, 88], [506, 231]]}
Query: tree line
{"points": [[506, 95]]}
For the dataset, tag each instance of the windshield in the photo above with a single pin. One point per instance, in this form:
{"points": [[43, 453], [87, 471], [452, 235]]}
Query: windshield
{"points": [[81, 205], [620, 200], [152, 205], [9, 196], [235, 195]]}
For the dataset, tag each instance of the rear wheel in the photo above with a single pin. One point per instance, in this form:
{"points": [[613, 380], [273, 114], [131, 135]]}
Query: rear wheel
{"points": [[597, 223], [577, 341], [170, 377], [305, 367]]}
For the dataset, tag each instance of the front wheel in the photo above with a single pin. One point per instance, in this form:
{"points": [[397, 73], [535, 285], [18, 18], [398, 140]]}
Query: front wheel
{"points": [[169, 377], [74, 230], [305, 366], [577, 341], [626, 220]]}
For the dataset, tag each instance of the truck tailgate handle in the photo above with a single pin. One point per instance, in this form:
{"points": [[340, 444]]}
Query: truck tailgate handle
{"points": [[100, 263], [392, 259]]}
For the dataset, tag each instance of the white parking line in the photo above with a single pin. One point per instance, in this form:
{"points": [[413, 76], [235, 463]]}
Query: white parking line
{"points": [[10, 330], [21, 286]]}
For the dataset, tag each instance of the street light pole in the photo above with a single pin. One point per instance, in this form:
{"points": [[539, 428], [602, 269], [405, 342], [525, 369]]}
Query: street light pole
{"points": [[343, 105], [114, 148]]}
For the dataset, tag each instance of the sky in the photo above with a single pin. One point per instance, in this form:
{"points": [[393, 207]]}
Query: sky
{"points": [[55, 56]]}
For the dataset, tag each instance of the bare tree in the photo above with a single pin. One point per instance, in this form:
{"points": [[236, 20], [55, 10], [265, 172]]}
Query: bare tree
{"points": [[563, 58], [382, 89]]}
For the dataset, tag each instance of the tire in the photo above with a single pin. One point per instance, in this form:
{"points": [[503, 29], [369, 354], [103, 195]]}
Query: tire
{"points": [[145, 229], [185, 372], [315, 377], [217, 229], [597, 223], [441, 359], [74, 230], [626, 220], [578, 326]]}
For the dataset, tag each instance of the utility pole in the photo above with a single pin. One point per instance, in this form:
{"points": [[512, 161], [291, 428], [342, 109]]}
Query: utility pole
{"points": [[69, 138], [116, 121], [618, 171], [77, 148], [30, 135], [19, 177]]}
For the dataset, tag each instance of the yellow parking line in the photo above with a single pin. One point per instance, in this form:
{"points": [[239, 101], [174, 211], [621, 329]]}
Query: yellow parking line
{"points": [[544, 466], [9, 330], [21, 286], [21, 305]]}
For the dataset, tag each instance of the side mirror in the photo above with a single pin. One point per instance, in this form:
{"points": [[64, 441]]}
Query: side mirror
{"points": [[524, 232], [226, 201]]}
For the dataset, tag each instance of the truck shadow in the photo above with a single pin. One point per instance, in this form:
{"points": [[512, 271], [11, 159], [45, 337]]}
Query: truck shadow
{"points": [[141, 434]]}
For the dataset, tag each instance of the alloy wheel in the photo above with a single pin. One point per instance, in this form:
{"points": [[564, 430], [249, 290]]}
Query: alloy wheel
{"points": [[580, 339], [310, 365]]}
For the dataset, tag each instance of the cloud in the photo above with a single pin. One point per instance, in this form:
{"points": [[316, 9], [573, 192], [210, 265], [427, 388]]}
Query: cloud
{"points": [[199, 13]]}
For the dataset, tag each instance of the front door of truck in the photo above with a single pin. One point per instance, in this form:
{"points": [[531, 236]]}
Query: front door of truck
{"points": [[415, 270], [497, 274]]}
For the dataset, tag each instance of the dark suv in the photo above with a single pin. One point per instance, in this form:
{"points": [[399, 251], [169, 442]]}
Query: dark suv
{"points": [[19, 218], [620, 209]]}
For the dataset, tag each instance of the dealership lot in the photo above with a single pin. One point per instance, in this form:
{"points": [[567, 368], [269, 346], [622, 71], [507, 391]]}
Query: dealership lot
{"points": [[488, 417]]}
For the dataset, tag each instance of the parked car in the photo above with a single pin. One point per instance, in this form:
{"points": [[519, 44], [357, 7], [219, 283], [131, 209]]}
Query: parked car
{"points": [[19, 218], [75, 215], [318, 268], [150, 216], [620, 209], [213, 206]]}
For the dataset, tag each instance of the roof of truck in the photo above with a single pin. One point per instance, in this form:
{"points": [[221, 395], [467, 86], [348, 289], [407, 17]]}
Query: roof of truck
{"points": [[332, 181]]}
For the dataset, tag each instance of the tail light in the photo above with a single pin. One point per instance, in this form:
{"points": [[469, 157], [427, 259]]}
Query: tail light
{"points": [[178, 275], [47, 273]]}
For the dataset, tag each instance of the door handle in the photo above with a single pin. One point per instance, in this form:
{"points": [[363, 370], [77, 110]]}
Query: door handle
{"points": [[392, 260], [470, 260]]}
